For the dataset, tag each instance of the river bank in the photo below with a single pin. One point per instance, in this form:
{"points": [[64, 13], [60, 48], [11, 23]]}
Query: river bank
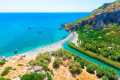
{"points": [[100, 63]]}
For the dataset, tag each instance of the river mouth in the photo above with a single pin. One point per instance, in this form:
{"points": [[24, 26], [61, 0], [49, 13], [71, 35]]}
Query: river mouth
{"points": [[65, 46]]}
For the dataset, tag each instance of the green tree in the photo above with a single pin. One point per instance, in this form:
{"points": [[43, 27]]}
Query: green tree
{"points": [[33, 76], [56, 63], [105, 78], [90, 68], [118, 57], [113, 57], [75, 67], [82, 63], [2, 78]]}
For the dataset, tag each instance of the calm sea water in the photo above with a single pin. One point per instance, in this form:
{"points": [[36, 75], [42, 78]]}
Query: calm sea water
{"points": [[14, 32]]}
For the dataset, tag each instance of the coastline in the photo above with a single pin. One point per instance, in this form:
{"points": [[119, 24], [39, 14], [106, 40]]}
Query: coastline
{"points": [[52, 47], [75, 39]]}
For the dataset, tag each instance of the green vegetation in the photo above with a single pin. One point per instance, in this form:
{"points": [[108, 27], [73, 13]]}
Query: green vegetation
{"points": [[83, 62], [103, 71], [49, 76], [8, 68], [96, 56], [63, 54], [2, 78], [14, 69], [105, 78], [48, 70], [75, 67], [2, 62], [56, 63], [90, 68], [42, 59], [20, 65], [110, 7], [36, 76], [33, 76], [6, 71]]}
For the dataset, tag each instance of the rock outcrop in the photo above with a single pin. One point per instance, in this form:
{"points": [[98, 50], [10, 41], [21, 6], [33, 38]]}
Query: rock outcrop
{"points": [[101, 19]]}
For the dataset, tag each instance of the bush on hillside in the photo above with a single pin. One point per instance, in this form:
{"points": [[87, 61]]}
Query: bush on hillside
{"points": [[105, 78], [2, 62], [56, 63], [42, 59], [2, 78], [33, 76], [90, 68], [75, 67]]}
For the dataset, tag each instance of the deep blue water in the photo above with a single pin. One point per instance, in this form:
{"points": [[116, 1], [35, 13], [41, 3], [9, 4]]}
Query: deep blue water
{"points": [[14, 32]]}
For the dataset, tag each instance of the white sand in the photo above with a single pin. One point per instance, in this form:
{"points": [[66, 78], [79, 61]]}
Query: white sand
{"points": [[32, 54], [75, 38]]}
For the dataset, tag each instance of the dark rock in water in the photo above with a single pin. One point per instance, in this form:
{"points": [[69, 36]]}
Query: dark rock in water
{"points": [[16, 51], [60, 28], [39, 31], [63, 25], [29, 27]]}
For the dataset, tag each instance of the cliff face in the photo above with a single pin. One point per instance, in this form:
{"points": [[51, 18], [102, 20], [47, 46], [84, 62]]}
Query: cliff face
{"points": [[100, 18]]}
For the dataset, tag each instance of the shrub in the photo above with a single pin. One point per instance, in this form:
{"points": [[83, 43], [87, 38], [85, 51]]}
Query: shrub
{"points": [[75, 67], [47, 69], [82, 63], [63, 54], [90, 68], [103, 71], [1, 78], [41, 60], [113, 57], [33, 76], [2, 62], [5, 72], [14, 68], [8, 68], [105, 78], [80, 60], [118, 57], [106, 55], [56, 63], [49, 76], [20, 65]]}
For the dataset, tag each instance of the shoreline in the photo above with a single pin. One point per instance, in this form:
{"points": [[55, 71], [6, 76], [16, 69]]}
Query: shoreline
{"points": [[52, 47]]}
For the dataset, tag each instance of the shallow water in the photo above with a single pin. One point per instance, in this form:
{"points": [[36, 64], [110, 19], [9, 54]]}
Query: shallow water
{"points": [[14, 32]]}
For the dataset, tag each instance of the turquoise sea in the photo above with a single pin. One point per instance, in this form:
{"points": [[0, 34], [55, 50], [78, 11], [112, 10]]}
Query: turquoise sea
{"points": [[14, 32]]}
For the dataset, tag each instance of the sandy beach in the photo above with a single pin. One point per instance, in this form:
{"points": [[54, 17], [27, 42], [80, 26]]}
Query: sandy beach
{"points": [[32, 54], [75, 38]]}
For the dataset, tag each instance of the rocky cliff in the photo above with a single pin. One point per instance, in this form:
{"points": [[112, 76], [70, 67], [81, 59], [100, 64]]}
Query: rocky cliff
{"points": [[100, 18]]}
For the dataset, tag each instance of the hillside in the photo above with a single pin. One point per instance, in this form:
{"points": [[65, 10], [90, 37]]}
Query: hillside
{"points": [[100, 18], [98, 34]]}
